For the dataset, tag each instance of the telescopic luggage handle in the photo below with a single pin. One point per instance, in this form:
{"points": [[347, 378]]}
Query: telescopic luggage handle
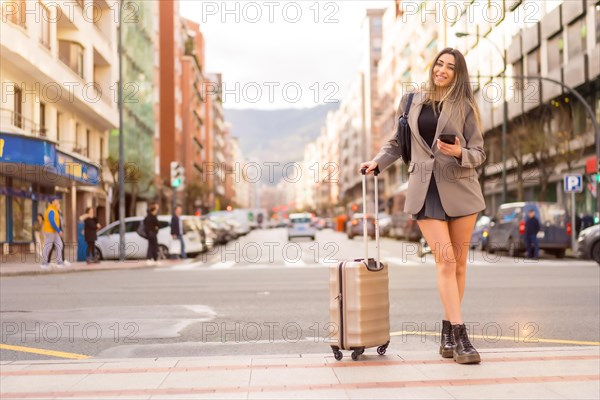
{"points": [[378, 264]]}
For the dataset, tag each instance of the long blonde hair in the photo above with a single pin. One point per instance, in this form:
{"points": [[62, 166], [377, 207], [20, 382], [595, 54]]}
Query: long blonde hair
{"points": [[460, 92]]}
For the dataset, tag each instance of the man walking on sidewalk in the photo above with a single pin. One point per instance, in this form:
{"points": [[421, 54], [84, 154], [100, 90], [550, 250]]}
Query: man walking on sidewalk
{"points": [[532, 227], [52, 234], [177, 229]]}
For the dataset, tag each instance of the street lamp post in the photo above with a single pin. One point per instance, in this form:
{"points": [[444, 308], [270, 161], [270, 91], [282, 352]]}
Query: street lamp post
{"points": [[121, 144], [504, 110]]}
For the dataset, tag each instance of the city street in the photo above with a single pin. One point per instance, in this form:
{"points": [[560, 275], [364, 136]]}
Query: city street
{"points": [[263, 295]]}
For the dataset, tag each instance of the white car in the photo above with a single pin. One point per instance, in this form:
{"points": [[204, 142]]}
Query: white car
{"points": [[136, 247], [300, 226]]}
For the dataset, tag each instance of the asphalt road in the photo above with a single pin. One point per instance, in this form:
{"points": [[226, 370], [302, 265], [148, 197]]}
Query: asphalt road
{"points": [[262, 295]]}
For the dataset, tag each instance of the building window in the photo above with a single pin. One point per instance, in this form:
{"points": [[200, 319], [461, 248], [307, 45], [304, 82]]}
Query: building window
{"points": [[556, 47], [22, 208], [15, 12], [576, 38], [43, 119], [533, 63], [3, 212], [58, 115], [21, 218], [17, 107], [88, 133], [101, 151], [77, 149], [45, 26], [71, 53], [597, 23]]}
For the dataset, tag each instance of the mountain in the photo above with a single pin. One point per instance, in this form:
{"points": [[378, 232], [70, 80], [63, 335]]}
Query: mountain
{"points": [[277, 135]]}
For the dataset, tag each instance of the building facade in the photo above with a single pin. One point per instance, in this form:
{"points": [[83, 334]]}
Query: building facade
{"points": [[58, 84]]}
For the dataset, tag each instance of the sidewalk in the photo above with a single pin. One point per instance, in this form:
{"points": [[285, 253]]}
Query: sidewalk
{"points": [[538, 373], [16, 268]]}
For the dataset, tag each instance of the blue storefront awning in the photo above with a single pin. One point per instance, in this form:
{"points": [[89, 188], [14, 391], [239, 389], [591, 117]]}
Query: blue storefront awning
{"points": [[39, 160]]}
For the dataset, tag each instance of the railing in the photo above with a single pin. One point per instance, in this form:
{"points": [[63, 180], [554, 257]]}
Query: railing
{"points": [[14, 119]]}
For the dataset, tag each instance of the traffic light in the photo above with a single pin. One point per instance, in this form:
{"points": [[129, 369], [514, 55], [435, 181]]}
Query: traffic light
{"points": [[177, 176]]}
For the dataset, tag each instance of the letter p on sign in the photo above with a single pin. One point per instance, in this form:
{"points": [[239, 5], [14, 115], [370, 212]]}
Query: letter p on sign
{"points": [[573, 183]]}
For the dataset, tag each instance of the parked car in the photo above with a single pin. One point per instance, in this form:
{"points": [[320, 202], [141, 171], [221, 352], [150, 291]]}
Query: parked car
{"points": [[479, 237], [136, 247], [402, 227], [240, 215], [385, 224], [354, 226], [588, 243], [219, 229], [300, 226], [507, 228]]}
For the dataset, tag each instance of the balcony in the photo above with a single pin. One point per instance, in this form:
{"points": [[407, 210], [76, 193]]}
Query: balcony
{"points": [[15, 122]]}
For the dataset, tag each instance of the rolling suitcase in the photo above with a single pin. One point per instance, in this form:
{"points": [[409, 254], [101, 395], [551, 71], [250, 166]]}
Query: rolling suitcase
{"points": [[359, 297]]}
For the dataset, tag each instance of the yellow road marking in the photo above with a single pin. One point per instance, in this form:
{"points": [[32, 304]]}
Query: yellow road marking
{"points": [[44, 352], [508, 338]]}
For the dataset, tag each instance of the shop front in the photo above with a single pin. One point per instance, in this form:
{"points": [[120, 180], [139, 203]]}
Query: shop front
{"points": [[32, 170]]}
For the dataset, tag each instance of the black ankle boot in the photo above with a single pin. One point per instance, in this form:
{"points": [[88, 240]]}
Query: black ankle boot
{"points": [[447, 343], [464, 352]]}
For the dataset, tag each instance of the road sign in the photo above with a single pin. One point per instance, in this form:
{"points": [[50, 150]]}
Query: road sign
{"points": [[573, 183]]}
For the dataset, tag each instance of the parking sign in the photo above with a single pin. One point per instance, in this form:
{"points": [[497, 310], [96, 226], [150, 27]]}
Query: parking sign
{"points": [[573, 183]]}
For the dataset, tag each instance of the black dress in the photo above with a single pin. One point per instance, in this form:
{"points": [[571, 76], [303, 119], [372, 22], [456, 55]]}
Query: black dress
{"points": [[432, 207]]}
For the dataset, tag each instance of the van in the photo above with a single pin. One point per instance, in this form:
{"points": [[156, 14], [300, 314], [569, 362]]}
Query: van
{"points": [[507, 228], [300, 226]]}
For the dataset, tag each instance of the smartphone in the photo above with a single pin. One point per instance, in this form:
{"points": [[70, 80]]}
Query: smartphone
{"points": [[448, 138]]}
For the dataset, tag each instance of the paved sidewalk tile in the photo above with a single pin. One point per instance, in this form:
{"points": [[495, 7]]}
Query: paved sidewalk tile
{"points": [[101, 382], [209, 396], [293, 376], [580, 390], [207, 379], [418, 393], [301, 394], [393, 373], [41, 383], [520, 391]]}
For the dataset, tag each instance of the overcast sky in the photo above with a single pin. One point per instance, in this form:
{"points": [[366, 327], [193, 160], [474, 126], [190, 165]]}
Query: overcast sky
{"points": [[316, 56]]}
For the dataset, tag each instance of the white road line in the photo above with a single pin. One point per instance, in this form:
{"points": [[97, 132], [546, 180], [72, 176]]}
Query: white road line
{"points": [[299, 263], [223, 265]]}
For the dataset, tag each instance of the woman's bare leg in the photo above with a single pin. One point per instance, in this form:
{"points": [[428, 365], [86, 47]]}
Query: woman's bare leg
{"points": [[437, 234], [460, 235]]}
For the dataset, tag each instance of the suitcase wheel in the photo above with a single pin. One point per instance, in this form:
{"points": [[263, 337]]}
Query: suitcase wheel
{"points": [[357, 352], [338, 355], [382, 349]]}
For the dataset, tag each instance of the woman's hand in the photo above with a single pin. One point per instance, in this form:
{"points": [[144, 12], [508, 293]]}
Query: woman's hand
{"points": [[453, 150], [369, 165]]}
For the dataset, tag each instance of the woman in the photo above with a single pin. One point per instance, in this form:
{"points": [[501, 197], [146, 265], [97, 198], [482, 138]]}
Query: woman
{"points": [[444, 194], [151, 227], [90, 227]]}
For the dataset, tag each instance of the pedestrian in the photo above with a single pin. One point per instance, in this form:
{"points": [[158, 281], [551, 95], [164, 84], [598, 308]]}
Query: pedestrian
{"points": [[151, 228], [62, 225], [177, 229], [39, 235], [444, 194], [532, 227], [90, 228], [53, 232]]}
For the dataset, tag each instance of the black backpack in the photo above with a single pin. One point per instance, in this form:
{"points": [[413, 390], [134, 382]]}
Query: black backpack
{"points": [[403, 132], [141, 230]]}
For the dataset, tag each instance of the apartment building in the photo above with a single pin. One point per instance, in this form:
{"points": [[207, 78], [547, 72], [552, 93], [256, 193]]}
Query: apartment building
{"points": [[404, 66], [193, 114], [139, 90], [58, 89], [170, 137], [549, 133]]}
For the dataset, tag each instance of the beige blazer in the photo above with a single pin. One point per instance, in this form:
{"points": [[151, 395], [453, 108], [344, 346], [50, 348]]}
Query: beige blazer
{"points": [[457, 180]]}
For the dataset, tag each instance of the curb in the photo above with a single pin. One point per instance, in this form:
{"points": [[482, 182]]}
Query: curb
{"points": [[55, 271]]}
